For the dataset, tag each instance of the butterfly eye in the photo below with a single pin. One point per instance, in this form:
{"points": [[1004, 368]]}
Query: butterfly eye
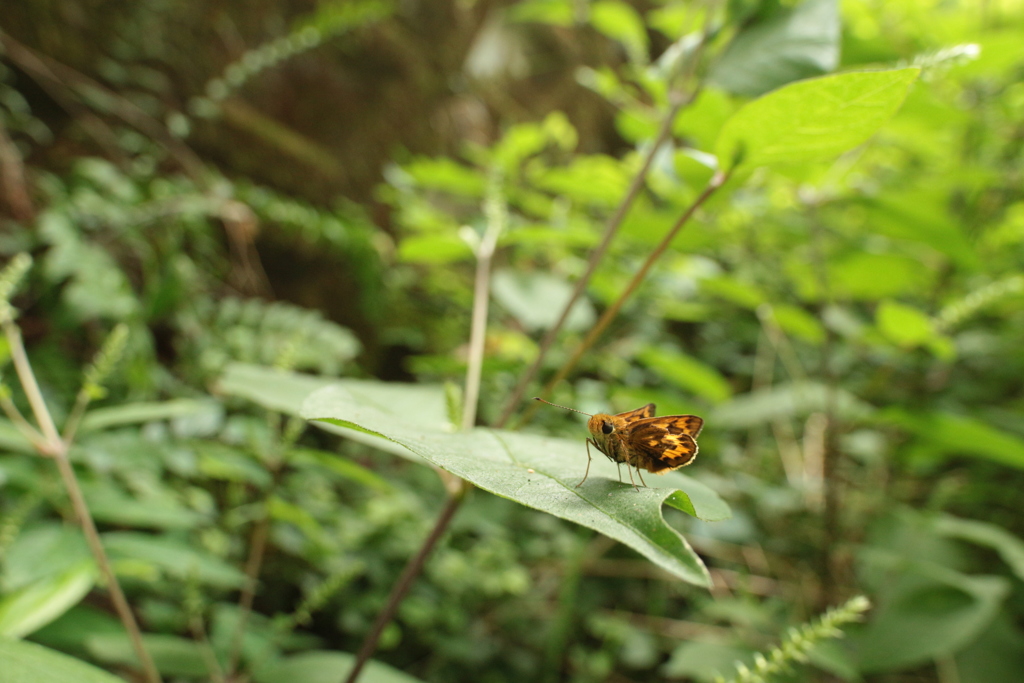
{"points": [[606, 427]]}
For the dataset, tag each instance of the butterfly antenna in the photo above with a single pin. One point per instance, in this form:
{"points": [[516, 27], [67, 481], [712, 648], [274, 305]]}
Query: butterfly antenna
{"points": [[537, 398]]}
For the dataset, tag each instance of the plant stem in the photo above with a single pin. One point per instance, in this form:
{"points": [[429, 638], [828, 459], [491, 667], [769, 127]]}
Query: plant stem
{"points": [[716, 182], [610, 230], [55, 447], [496, 220], [404, 583], [257, 550]]}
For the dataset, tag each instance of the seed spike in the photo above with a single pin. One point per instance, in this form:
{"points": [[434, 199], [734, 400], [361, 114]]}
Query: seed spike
{"points": [[538, 398]]}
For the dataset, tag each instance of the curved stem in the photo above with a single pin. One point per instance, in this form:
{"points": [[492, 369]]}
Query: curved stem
{"points": [[404, 583], [55, 447], [716, 182], [610, 230]]}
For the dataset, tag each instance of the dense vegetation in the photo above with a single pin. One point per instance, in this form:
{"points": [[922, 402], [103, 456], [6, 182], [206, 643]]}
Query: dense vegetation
{"points": [[278, 284]]}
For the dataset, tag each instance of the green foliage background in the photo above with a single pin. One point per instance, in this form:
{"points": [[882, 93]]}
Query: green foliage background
{"points": [[286, 218]]}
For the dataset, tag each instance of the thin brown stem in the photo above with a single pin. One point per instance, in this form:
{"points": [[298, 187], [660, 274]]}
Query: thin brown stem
{"points": [[713, 185], [257, 550], [610, 230], [55, 447], [404, 583]]}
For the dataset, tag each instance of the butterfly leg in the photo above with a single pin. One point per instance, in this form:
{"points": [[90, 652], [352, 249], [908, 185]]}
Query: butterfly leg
{"points": [[619, 466], [630, 470], [639, 474], [587, 473]]}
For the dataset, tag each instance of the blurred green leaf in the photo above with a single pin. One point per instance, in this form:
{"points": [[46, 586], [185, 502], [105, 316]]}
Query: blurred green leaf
{"points": [[542, 473], [952, 435], [687, 373], [99, 419], [812, 120], [172, 557], [48, 549], [795, 43], [434, 249], [929, 611], [37, 604], [25, 662], [904, 325], [1009, 547], [159, 510], [326, 667], [621, 22], [422, 405], [172, 655]]}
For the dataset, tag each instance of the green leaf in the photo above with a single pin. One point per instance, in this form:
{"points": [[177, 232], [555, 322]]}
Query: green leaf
{"points": [[172, 655], [795, 43], [621, 22], [1009, 547], [285, 392], [326, 667], [100, 419], [434, 249], [30, 663], [159, 510], [812, 120], [39, 603], [542, 473], [172, 557], [929, 611], [950, 434], [904, 325], [687, 373], [48, 549]]}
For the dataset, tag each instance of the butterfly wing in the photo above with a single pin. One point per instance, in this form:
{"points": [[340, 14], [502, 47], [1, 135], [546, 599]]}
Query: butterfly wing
{"points": [[665, 443], [638, 414]]}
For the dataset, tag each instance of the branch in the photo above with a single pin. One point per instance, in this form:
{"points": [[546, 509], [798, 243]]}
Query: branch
{"points": [[716, 182]]}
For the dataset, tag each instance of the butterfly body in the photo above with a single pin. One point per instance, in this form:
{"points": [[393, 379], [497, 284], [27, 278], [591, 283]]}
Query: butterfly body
{"points": [[643, 441]]}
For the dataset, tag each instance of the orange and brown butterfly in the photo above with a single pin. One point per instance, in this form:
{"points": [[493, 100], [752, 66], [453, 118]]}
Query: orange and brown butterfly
{"points": [[637, 438]]}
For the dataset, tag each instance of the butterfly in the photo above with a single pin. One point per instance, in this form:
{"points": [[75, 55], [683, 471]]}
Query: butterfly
{"points": [[641, 440]]}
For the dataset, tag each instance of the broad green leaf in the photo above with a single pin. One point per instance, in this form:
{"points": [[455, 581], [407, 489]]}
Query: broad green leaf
{"points": [[928, 611], [326, 667], [172, 557], [25, 662], [812, 120], [48, 549], [172, 655], [1009, 547], [795, 43], [137, 413], [687, 373], [949, 434], [996, 655], [39, 603], [420, 405], [542, 473]]}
